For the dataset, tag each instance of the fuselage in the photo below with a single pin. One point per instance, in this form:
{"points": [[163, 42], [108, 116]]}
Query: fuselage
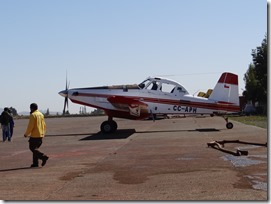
{"points": [[152, 96]]}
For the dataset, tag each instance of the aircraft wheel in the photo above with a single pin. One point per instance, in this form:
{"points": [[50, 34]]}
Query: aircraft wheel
{"points": [[106, 127], [229, 125], [114, 125], [109, 126]]}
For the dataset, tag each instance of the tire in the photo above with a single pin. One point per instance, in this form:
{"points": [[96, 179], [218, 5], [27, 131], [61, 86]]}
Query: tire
{"points": [[114, 125], [229, 125], [108, 127]]}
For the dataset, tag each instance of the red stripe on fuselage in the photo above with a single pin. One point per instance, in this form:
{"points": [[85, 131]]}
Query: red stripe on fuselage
{"points": [[221, 105], [115, 113]]}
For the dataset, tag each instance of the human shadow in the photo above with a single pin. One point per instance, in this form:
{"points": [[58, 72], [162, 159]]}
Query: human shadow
{"points": [[15, 169], [119, 134]]}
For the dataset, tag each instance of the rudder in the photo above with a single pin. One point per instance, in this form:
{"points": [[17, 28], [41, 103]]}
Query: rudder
{"points": [[226, 89]]}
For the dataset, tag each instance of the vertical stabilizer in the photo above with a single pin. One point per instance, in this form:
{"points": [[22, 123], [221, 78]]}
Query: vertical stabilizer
{"points": [[226, 89]]}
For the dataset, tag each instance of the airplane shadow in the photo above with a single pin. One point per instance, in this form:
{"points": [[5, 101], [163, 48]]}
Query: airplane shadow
{"points": [[195, 130], [206, 130], [15, 169], [67, 135], [125, 133], [119, 134]]}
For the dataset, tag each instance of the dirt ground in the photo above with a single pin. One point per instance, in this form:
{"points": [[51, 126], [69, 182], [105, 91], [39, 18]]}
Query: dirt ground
{"points": [[165, 160]]}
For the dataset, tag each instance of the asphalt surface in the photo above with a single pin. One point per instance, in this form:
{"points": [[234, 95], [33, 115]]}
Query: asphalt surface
{"points": [[164, 160]]}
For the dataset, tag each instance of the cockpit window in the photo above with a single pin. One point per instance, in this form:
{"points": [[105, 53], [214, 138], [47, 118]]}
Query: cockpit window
{"points": [[181, 89], [144, 84], [154, 85], [163, 85], [168, 88]]}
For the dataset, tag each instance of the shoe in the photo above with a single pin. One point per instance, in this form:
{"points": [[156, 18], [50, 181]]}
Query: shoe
{"points": [[44, 160], [34, 165]]}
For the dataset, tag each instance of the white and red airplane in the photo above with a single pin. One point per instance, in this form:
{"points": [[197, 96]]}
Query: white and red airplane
{"points": [[156, 96]]}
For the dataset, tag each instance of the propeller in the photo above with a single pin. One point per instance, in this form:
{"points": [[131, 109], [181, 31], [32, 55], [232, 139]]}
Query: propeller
{"points": [[65, 93]]}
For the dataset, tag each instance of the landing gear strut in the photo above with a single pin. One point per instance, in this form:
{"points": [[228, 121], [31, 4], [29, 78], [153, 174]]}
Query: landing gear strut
{"points": [[109, 126], [229, 125]]}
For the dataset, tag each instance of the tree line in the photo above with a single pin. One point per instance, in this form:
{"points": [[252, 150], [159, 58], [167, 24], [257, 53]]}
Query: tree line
{"points": [[256, 78]]}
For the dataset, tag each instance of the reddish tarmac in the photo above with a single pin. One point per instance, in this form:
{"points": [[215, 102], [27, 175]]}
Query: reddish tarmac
{"points": [[144, 160]]}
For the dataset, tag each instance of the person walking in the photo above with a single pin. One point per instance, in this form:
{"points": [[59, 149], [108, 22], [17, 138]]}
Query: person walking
{"points": [[5, 120], [36, 131], [11, 124]]}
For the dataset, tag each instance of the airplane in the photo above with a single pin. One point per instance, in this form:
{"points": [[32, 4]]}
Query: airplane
{"points": [[154, 96]]}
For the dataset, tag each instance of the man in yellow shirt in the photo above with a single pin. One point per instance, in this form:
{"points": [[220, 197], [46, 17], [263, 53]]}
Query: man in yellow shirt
{"points": [[36, 130]]}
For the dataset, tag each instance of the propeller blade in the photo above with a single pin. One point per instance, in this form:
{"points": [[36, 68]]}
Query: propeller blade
{"points": [[65, 93], [67, 103], [64, 109], [66, 80]]}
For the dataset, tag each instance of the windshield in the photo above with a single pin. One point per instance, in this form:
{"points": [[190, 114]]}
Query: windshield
{"points": [[144, 84]]}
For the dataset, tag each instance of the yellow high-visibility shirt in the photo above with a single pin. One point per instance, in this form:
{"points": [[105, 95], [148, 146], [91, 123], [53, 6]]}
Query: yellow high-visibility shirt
{"points": [[36, 127]]}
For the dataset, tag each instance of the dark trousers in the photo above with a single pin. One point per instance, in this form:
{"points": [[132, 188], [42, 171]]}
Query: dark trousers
{"points": [[34, 145]]}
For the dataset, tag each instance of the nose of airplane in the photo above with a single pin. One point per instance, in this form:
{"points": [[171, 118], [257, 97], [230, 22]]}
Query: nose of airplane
{"points": [[63, 93]]}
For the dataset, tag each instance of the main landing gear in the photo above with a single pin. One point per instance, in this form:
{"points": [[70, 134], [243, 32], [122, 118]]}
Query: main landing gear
{"points": [[229, 125], [109, 126]]}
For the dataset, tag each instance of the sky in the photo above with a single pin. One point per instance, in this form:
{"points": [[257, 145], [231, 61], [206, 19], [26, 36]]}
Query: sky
{"points": [[112, 42]]}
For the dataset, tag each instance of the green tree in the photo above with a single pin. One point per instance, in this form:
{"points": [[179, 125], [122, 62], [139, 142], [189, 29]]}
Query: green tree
{"points": [[251, 85], [13, 111], [47, 112], [260, 63], [256, 76]]}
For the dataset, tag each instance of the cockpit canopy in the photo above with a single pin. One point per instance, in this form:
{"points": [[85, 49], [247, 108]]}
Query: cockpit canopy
{"points": [[162, 84]]}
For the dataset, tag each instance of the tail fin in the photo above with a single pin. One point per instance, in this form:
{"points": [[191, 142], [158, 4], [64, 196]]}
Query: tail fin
{"points": [[226, 89]]}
